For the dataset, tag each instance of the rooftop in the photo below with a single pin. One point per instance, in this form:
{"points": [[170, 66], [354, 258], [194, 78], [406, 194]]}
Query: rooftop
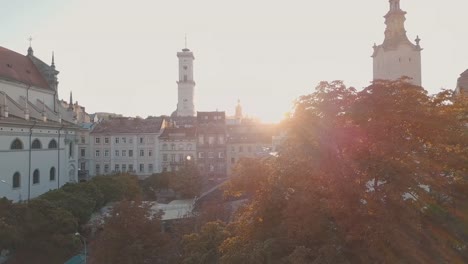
{"points": [[127, 125], [20, 68]]}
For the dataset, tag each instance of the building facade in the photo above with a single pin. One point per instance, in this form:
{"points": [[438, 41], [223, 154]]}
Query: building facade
{"points": [[247, 140], [177, 147], [126, 145], [38, 136], [211, 144], [397, 56]]}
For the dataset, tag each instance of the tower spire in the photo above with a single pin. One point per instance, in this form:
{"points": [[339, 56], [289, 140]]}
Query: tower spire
{"points": [[395, 5], [395, 32], [30, 50], [70, 105], [53, 60]]}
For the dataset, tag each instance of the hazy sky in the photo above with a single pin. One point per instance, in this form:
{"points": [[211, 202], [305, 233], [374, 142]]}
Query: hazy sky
{"points": [[120, 56]]}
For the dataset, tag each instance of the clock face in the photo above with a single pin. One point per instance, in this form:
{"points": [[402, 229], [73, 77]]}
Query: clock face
{"points": [[185, 67]]}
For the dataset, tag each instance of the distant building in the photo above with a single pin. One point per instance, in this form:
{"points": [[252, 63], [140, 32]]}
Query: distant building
{"points": [[99, 116], [238, 116], [211, 144], [79, 111], [248, 140], [84, 152], [177, 147], [462, 84], [38, 136], [126, 145], [397, 56], [186, 84]]}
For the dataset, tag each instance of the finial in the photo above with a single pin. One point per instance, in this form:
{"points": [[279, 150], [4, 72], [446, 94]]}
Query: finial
{"points": [[186, 49], [375, 46], [53, 60], [70, 105], [417, 40], [30, 50]]}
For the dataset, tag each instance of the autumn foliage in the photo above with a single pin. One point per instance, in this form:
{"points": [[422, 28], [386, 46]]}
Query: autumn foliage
{"points": [[372, 176]]}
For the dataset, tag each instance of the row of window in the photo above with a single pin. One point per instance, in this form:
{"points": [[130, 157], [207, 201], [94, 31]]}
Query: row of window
{"points": [[212, 168], [211, 155], [211, 140], [249, 149], [118, 153], [17, 144], [118, 140], [16, 180], [123, 168], [177, 158], [177, 147]]}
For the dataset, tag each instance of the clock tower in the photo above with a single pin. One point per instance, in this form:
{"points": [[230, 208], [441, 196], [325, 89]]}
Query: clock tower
{"points": [[186, 84]]}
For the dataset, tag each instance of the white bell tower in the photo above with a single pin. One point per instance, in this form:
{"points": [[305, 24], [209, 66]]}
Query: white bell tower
{"points": [[186, 84]]}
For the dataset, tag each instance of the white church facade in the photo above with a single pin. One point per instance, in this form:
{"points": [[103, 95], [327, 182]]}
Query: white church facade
{"points": [[397, 56], [37, 135]]}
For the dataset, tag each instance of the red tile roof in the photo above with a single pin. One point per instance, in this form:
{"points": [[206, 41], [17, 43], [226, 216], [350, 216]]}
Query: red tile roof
{"points": [[20, 68]]}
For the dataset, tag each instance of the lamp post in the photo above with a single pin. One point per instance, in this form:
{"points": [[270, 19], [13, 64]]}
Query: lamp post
{"points": [[7, 183], [82, 238]]}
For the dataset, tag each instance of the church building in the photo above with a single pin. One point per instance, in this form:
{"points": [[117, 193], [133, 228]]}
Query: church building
{"points": [[397, 56], [37, 135]]}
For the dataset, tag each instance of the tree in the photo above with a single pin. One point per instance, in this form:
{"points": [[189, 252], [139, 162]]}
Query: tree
{"points": [[132, 234], [377, 176], [202, 247], [48, 233], [187, 181], [154, 183], [117, 187]]}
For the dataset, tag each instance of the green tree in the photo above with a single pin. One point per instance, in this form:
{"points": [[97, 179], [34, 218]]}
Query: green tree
{"points": [[187, 181], [48, 233]]}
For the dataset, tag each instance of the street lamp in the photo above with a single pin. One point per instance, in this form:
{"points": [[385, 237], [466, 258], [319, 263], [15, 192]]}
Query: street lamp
{"points": [[82, 238], [7, 183]]}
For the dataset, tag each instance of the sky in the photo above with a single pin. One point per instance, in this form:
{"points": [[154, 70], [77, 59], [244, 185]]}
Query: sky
{"points": [[120, 56]]}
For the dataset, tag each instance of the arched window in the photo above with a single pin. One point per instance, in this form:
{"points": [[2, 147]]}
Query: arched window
{"points": [[164, 146], [16, 144], [36, 144], [53, 144], [36, 177], [16, 180], [52, 174], [173, 147]]}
